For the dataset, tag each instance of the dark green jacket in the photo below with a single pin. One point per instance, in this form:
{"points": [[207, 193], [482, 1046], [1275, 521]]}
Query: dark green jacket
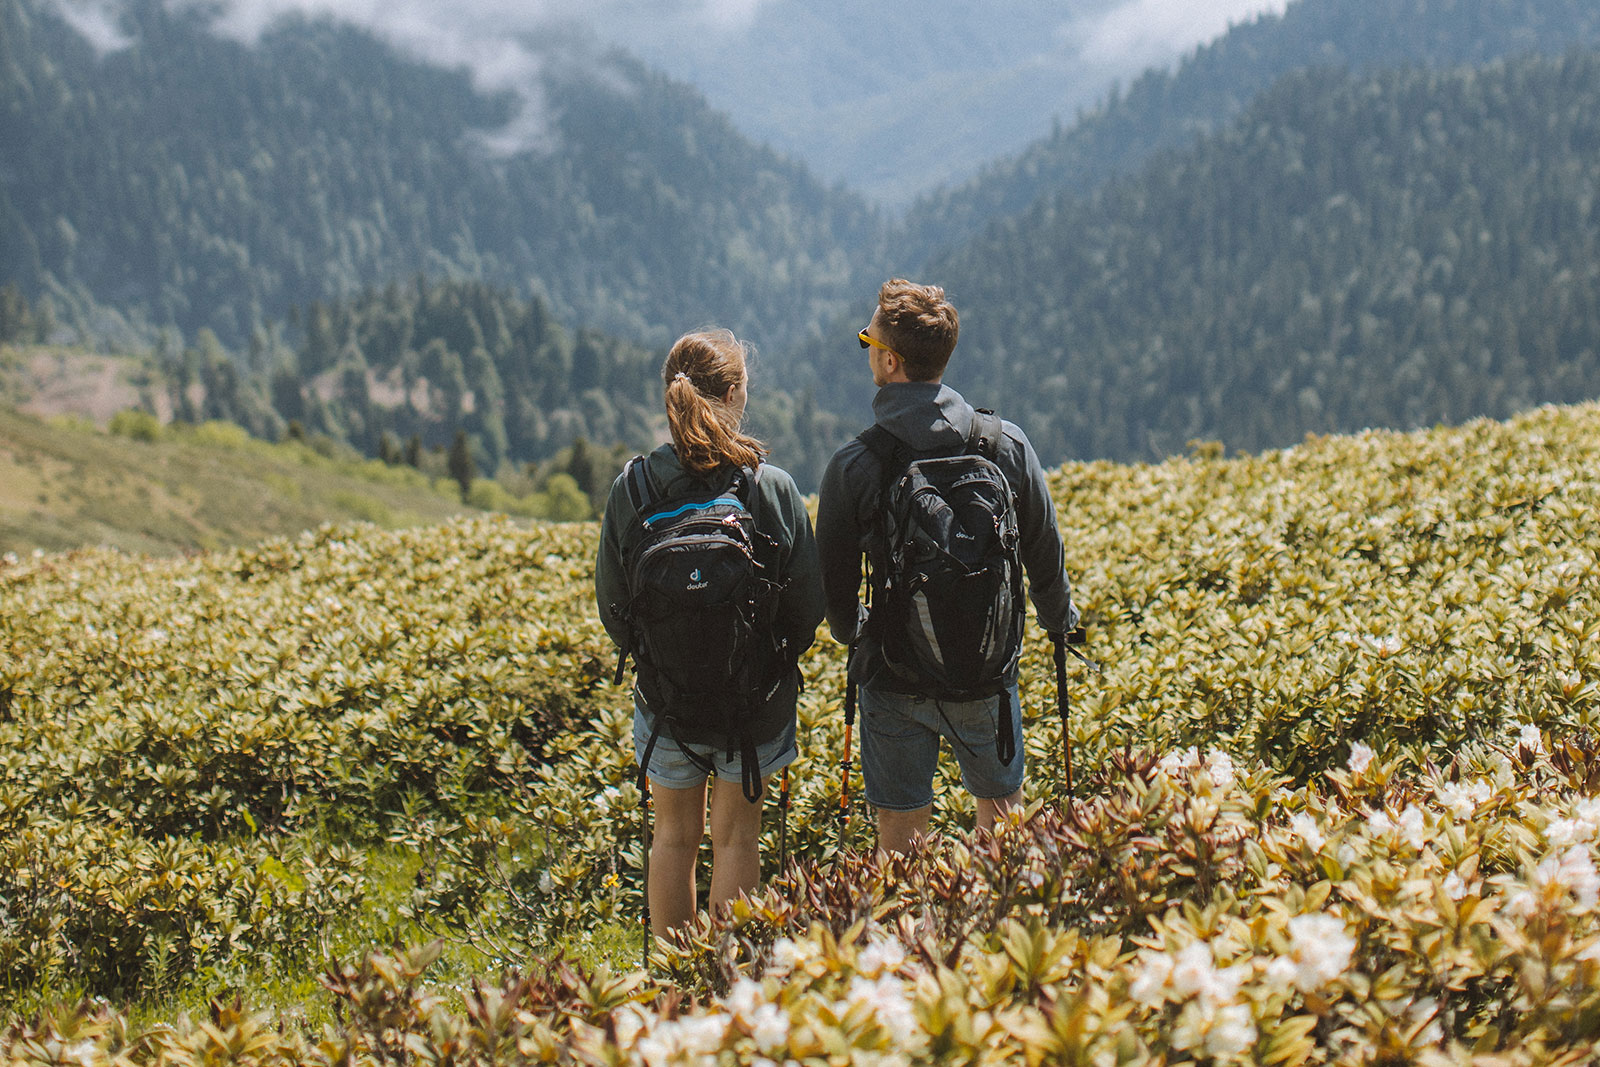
{"points": [[780, 513]]}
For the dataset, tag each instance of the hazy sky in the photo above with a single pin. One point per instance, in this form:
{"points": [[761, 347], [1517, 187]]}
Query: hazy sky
{"points": [[820, 82]]}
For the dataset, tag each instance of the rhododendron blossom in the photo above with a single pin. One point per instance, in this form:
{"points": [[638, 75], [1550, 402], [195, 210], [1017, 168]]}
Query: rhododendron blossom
{"points": [[1360, 757]]}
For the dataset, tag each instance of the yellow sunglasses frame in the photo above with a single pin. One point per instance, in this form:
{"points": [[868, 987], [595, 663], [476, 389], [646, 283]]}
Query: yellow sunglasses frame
{"points": [[861, 335]]}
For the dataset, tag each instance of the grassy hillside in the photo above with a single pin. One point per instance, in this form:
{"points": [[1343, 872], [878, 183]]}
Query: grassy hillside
{"points": [[1336, 796], [64, 485]]}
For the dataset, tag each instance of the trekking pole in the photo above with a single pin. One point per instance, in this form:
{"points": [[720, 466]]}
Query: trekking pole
{"points": [[1062, 705], [644, 793], [1064, 643], [783, 824], [844, 764]]}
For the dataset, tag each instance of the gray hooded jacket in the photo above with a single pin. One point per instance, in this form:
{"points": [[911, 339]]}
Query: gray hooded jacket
{"points": [[931, 419]]}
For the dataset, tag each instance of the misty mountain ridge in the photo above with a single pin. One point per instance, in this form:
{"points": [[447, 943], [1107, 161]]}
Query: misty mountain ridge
{"points": [[194, 180], [1165, 109], [191, 180]]}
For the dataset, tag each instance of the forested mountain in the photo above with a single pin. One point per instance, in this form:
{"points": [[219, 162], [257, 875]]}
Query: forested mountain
{"points": [[1416, 247], [425, 360], [1164, 110], [195, 181]]}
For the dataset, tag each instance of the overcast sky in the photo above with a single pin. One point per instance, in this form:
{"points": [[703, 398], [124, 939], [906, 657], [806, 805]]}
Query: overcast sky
{"points": [[803, 76]]}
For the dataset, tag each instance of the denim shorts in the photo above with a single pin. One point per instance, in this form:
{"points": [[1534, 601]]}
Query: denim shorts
{"points": [[671, 769], [900, 747]]}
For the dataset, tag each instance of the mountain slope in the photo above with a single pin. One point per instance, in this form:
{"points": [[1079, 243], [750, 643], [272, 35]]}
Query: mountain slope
{"points": [[195, 181], [1413, 248], [1164, 110]]}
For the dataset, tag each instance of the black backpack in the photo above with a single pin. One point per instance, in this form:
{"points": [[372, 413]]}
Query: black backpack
{"points": [[944, 569], [699, 614]]}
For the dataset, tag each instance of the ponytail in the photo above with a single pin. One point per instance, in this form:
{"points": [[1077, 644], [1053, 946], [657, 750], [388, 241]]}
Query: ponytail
{"points": [[699, 371]]}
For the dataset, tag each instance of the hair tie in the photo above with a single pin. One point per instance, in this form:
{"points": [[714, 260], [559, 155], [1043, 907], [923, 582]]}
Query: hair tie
{"points": [[682, 377]]}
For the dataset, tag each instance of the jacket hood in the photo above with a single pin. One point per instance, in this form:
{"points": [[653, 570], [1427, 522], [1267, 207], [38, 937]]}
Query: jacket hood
{"points": [[927, 416]]}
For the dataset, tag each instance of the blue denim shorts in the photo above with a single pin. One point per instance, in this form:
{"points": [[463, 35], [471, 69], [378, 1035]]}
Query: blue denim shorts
{"points": [[671, 769], [900, 747]]}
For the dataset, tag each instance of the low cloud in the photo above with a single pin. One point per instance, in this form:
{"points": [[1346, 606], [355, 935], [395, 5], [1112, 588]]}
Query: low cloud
{"points": [[1142, 33], [97, 21], [498, 41], [506, 44]]}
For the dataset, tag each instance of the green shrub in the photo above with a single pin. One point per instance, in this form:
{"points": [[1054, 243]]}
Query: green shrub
{"points": [[136, 425]]}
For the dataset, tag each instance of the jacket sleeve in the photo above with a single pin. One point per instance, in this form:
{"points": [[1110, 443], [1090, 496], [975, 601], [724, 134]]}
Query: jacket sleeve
{"points": [[800, 603], [839, 537], [1043, 557], [610, 583]]}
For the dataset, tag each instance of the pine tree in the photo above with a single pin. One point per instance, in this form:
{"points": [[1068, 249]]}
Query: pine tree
{"points": [[462, 467]]}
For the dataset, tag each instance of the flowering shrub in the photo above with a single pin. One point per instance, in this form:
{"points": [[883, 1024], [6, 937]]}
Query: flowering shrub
{"points": [[1338, 798], [1324, 934]]}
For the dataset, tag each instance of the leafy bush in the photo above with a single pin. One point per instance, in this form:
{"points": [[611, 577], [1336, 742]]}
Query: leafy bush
{"points": [[135, 424], [1336, 801]]}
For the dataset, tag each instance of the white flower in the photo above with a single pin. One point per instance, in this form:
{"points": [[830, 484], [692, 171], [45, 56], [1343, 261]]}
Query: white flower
{"points": [[743, 999], [1530, 738], [786, 956], [1564, 832], [1319, 950], [1225, 1031], [1587, 812], [1520, 903], [770, 1028], [1185, 760], [1219, 766], [1461, 799], [1149, 985], [1578, 874], [887, 1003], [1280, 974], [1413, 826], [1380, 824], [880, 956], [1304, 825], [1456, 887], [1572, 872], [1232, 1030], [1360, 756], [690, 1035], [1426, 1009], [1194, 974]]}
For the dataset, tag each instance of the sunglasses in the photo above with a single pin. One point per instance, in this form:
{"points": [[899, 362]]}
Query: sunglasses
{"points": [[875, 343]]}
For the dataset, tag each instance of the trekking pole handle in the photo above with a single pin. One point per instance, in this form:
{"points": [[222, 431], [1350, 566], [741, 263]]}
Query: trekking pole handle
{"points": [[1070, 641]]}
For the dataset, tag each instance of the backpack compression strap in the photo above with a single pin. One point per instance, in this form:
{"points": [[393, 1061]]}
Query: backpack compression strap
{"points": [[983, 436]]}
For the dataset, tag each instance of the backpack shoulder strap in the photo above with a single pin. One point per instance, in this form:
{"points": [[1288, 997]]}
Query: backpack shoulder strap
{"points": [[744, 487], [640, 492], [983, 437]]}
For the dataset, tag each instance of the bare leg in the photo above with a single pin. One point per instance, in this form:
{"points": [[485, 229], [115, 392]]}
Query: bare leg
{"points": [[897, 829], [680, 823], [991, 811], [735, 843]]}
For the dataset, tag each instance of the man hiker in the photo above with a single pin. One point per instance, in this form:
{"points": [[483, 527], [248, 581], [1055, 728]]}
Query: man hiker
{"points": [[934, 652]]}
